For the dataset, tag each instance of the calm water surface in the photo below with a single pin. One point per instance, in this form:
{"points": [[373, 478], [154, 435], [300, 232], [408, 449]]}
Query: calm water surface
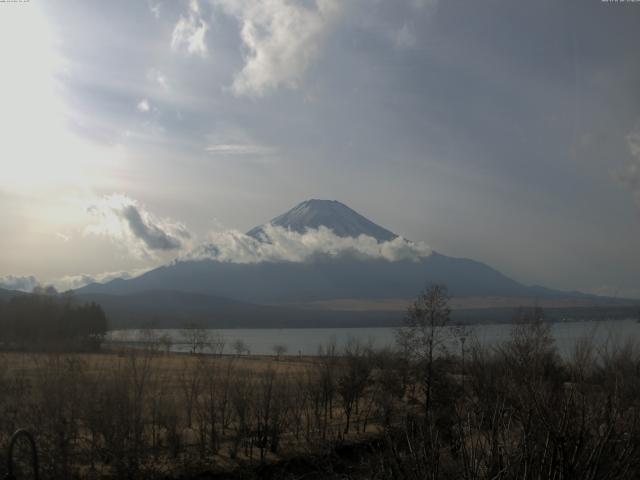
{"points": [[307, 340]]}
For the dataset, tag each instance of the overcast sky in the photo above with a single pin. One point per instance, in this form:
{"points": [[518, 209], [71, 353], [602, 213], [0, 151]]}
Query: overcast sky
{"points": [[507, 132]]}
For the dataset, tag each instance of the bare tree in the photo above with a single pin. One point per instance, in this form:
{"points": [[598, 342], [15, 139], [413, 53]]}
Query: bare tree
{"points": [[240, 347], [218, 342], [279, 349], [149, 339], [424, 334], [165, 342], [190, 379], [353, 380], [197, 338], [327, 378]]}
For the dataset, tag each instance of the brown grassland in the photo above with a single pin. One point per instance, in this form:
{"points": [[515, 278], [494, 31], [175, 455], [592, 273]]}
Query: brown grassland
{"points": [[513, 411]]}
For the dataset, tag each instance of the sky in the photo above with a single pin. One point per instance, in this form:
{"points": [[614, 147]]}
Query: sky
{"points": [[507, 132]]}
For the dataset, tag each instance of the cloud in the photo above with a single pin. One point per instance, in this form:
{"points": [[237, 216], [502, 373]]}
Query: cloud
{"points": [[154, 236], [143, 106], [232, 141], [426, 4], [405, 37], [629, 177], [21, 283], [73, 282], [190, 32], [403, 23], [129, 224], [239, 149], [66, 282], [154, 8], [125, 221], [281, 38], [282, 245], [157, 77]]}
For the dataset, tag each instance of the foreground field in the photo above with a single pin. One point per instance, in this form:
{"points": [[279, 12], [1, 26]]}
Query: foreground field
{"points": [[513, 411], [142, 413]]}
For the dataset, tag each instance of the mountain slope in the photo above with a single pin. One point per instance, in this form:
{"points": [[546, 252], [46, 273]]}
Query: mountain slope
{"points": [[332, 214], [8, 294], [285, 282]]}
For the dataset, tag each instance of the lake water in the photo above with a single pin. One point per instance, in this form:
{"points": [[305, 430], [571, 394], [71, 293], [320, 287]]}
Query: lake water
{"points": [[307, 340]]}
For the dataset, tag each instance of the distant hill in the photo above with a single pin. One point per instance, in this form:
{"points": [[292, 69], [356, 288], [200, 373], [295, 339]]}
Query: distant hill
{"points": [[7, 294], [172, 309]]}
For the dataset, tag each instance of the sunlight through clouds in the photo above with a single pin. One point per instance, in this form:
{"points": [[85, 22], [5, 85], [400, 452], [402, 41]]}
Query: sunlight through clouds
{"points": [[38, 150]]}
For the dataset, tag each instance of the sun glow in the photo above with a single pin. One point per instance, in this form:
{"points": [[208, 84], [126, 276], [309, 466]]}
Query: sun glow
{"points": [[37, 151]]}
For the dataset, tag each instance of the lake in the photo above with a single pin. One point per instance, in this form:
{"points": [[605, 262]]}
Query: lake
{"points": [[307, 340]]}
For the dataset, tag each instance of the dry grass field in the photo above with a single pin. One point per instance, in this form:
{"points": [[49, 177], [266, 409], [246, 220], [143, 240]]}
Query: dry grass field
{"points": [[514, 410], [131, 413]]}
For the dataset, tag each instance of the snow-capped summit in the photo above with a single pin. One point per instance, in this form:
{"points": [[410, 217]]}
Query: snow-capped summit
{"points": [[332, 214]]}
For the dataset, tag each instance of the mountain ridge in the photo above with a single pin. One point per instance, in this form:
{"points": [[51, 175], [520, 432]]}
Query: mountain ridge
{"points": [[284, 282]]}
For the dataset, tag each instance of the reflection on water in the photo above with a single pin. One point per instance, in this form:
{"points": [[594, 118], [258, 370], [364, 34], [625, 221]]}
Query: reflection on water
{"points": [[307, 340]]}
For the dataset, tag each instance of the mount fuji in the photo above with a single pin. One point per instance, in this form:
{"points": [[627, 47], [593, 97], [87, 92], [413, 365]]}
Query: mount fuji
{"points": [[336, 216], [324, 290]]}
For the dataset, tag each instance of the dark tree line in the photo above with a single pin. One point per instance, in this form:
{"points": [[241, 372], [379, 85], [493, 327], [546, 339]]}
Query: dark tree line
{"points": [[45, 319]]}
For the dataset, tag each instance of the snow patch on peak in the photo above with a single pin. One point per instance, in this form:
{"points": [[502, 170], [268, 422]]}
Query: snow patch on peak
{"points": [[331, 214]]}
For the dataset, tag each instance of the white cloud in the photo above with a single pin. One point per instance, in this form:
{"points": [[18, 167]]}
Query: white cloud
{"points": [[72, 282], [281, 39], [66, 282], [143, 106], [154, 8], [129, 224], [405, 37], [144, 235], [233, 141], [401, 23], [629, 177], [280, 245], [157, 77], [284, 245], [21, 283], [239, 149], [190, 32]]}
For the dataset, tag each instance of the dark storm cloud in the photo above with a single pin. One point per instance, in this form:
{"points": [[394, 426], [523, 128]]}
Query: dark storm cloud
{"points": [[136, 230], [153, 236]]}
